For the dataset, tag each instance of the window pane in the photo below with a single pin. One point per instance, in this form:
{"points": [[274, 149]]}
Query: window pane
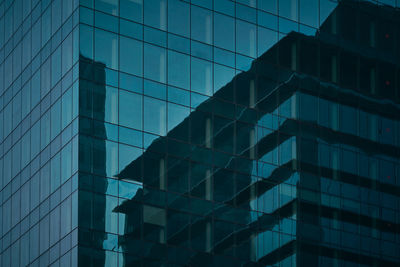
{"points": [[178, 69], [45, 129], [67, 54], [131, 9], [56, 67], [288, 9], [131, 58], [266, 39], [127, 154], [224, 32], [105, 103], [154, 63], [106, 48], [246, 38], [178, 24], [222, 76], [309, 12], [130, 110], [176, 114], [66, 104], [268, 5], [201, 25], [108, 6], [201, 76], [155, 13], [154, 116], [86, 41]]}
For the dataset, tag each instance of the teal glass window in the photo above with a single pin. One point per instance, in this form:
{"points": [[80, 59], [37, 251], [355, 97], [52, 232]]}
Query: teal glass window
{"points": [[176, 115], [130, 110], [130, 137], [111, 221], [55, 170], [66, 54], [66, 104], [106, 22], [308, 11], [55, 116], [155, 116], [56, 66], [104, 155], [246, 38], [131, 9], [25, 145], [55, 225], [155, 62], [201, 21], [222, 76], [16, 109], [86, 41], [155, 36], [45, 182], [7, 119], [127, 189], [224, 32], [178, 69], [25, 199], [267, 20], [106, 48], [131, 29], [45, 130], [56, 15], [288, 9], [127, 154], [65, 217], [155, 89], [105, 103], [269, 6], [178, 43], [201, 76], [35, 135], [66, 9], [34, 186], [226, 6], [26, 49], [36, 38], [179, 24], [266, 39], [66, 163], [108, 6], [45, 78], [46, 25], [131, 56], [155, 13], [16, 162], [178, 96]]}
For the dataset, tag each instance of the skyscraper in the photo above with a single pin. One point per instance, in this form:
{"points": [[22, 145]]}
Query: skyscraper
{"points": [[200, 133]]}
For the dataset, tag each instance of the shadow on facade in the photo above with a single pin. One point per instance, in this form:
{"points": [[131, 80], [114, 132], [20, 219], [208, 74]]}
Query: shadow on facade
{"points": [[92, 163]]}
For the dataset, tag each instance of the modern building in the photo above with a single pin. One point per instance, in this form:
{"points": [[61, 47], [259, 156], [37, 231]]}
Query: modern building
{"points": [[199, 133]]}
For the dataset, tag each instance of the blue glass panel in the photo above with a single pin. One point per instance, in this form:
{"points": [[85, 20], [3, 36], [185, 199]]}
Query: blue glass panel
{"points": [[106, 48], [131, 57], [130, 110]]}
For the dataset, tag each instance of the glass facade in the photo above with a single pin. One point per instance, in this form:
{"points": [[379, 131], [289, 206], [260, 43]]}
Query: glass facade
{"points": [[199, 133], [39, 90]]}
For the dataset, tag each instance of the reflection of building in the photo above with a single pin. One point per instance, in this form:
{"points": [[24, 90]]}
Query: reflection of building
{"points": [[92, 158], [302, 169]]}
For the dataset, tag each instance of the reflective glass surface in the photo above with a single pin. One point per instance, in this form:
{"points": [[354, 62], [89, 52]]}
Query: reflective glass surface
{"points": [[39, 92], [199, 133]]}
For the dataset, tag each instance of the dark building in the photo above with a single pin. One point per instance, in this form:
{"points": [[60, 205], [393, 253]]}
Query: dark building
{"points": [[199, 139]]}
